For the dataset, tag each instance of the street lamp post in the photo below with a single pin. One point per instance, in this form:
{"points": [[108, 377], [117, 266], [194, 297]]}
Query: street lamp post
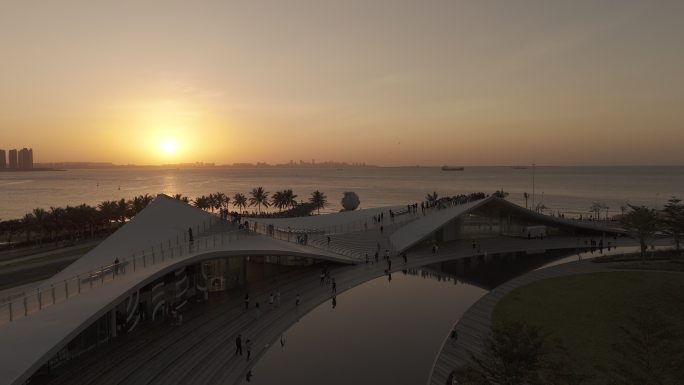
{"points": [[533, 206]]}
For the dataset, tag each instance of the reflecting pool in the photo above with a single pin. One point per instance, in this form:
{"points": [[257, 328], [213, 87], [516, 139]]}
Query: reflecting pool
{"points": [[388, 330]]}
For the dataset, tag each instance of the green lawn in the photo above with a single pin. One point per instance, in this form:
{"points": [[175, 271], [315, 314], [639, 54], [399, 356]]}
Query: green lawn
{"points": [[586, 311]]}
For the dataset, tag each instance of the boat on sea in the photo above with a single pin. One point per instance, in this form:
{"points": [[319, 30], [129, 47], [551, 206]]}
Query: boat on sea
{"points": [[449, 168]]}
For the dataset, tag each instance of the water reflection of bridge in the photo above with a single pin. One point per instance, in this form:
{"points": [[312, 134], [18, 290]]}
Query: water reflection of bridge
{"points": [[493, 270]]}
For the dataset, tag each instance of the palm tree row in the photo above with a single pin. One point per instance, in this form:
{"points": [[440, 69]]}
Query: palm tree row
{"points": [[72, 222], [258, 197]]}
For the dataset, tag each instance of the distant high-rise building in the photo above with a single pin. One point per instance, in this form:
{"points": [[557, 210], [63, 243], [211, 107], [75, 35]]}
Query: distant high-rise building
{"points": [[13, 163], [3, 160], [25, 159]]}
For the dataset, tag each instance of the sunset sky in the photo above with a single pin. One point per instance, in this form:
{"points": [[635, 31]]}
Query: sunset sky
{"points": [[383, 82]]}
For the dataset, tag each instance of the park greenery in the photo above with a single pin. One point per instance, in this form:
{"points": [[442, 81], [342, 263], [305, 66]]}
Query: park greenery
{"points": [[618, 328]]}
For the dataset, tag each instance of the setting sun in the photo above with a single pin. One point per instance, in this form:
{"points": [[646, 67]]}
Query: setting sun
{"points": [[169, 146]]}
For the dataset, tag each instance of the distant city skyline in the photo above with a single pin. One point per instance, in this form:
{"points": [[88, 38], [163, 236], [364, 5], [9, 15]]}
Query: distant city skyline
{"points": [[16, 159], [392, 84]]}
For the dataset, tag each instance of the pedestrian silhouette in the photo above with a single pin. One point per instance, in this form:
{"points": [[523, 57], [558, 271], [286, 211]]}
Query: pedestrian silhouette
{"points": [[238, 345]]}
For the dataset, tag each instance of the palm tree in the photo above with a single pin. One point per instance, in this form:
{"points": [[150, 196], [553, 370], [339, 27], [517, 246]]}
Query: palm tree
{"points": [[11, 227], [526, 196], [28, 224], [139, 203], [290, 198], [41, 219], [674, 220], [258, 198], [219, 201], [432, 198], [239, 201], [202, 202], [213, 201], [319, 200], [278, 200], [181, 198], [108, 210], [123, 210], [641, 223], [225, 201], [57, 220]]}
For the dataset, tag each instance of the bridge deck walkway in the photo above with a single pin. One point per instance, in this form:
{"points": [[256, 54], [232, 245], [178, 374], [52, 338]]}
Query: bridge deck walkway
{"points": [[202, 349]]}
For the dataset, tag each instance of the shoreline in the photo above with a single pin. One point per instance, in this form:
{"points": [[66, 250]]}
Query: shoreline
{"points": [[31, 169]]}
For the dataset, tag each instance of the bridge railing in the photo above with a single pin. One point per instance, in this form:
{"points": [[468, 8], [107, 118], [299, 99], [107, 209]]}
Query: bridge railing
{"points": [[25, 303]]}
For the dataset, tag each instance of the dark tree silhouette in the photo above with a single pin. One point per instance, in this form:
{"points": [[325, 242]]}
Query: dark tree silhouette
{"points": [[319, 200]]}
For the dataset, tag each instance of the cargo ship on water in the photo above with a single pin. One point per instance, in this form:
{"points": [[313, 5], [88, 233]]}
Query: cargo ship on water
{"points": [[449, 168]]}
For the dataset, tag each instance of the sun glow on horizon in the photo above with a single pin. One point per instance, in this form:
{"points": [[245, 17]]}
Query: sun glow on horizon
{"points": [[169, 146]]}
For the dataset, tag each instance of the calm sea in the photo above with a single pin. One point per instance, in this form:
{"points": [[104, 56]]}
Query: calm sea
{"points": [[571, 190]]}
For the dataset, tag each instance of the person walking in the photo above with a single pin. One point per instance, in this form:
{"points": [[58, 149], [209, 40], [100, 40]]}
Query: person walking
{"points": [[271, 300], [248, 346], [389, 264], [377, 255], [366, 258], [334, 286], [190, 238], [238, 345], [116, 266], [405, 258]]}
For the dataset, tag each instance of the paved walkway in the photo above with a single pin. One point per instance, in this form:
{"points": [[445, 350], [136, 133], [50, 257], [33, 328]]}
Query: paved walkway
{"points": [[201, 351], [477, 321]]}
